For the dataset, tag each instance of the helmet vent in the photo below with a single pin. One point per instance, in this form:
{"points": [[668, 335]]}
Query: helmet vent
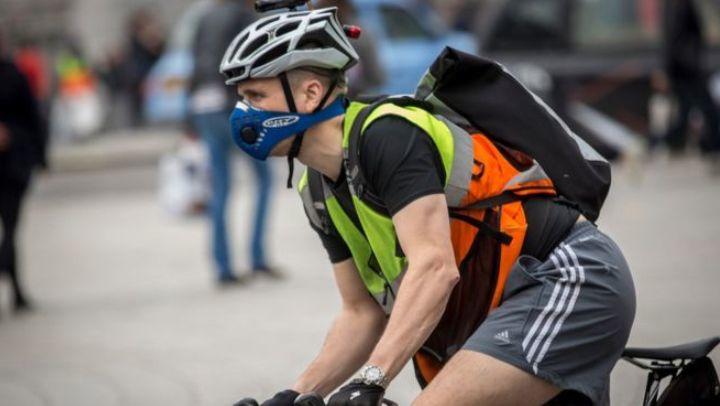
{"points": [[268, 21], [233, 73], [287, 28], [274, 53], [313, 40], [239, 44], [253, 46]]}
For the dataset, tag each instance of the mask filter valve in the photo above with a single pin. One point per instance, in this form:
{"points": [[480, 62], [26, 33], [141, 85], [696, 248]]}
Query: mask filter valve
{"points": [[249, 135]]}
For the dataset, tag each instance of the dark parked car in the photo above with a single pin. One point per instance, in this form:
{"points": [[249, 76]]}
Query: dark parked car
{"points": [[591, 59]]}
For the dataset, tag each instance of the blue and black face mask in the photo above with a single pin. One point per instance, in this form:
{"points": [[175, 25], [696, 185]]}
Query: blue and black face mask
{"points": [[257, 131]]}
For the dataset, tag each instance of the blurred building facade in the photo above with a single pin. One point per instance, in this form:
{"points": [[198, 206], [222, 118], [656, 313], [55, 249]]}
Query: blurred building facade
{"points": [[97, 25]]}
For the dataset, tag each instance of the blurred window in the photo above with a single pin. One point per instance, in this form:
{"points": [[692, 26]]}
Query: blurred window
{"points": [[617, 24], [399, 24], [530, 25], [709, 11]]}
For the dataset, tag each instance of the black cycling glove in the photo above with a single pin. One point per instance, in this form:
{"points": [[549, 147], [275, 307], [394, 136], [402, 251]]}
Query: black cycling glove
{"points": [[284, 398], [246, 402], [358, 394]]}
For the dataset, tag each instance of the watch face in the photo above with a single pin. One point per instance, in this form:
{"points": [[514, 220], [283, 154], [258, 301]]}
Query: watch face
{"points": [[373, 374]]}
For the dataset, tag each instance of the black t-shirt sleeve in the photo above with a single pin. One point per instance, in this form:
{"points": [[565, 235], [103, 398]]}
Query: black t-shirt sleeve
{"points": [[400, 162], [335, 246]]}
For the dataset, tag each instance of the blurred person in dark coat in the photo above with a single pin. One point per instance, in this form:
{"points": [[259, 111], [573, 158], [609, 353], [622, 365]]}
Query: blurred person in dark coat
{"points": [[22, 148], [211, 103], [683, 53], [146, 45]]}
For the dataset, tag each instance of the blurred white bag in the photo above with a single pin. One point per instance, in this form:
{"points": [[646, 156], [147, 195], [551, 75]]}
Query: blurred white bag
{"points": [[77, 117], [184, 179]]}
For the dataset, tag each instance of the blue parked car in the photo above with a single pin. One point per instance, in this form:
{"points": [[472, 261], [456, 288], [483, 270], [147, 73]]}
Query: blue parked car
{"points": [[166, 95], [407, 43]]}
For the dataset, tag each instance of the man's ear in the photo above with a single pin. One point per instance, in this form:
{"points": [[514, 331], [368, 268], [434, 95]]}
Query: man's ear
{"points": [[313, 94]]}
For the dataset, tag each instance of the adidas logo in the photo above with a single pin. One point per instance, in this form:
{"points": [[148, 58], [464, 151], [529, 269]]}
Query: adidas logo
{"points": [[503, 337]]}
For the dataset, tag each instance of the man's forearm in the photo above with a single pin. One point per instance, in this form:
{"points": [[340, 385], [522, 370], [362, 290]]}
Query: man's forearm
{"points": [[420, 304], [347, 346]]}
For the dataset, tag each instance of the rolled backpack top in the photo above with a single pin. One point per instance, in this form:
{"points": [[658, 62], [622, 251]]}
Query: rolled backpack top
{"points": [[477, 93]]}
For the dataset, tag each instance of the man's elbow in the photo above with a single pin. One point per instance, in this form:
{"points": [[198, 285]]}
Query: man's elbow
{"points": [[364, 310], [443, 269]]}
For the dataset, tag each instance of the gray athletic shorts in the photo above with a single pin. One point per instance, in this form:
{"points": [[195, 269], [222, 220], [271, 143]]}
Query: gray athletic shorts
{"points": [[565, 320]]}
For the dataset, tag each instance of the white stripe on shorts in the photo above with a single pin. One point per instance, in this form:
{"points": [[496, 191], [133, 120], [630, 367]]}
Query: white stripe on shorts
{"points": [[550, 305], [571, 305], [550, 325]]}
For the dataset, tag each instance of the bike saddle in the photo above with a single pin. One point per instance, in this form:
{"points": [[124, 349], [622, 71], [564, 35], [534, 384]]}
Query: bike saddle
{"points": [[693, 350]]}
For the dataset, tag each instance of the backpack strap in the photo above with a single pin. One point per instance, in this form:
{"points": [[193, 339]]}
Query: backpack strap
{"points": [[503, 198], [317, 211], [355, 176]]}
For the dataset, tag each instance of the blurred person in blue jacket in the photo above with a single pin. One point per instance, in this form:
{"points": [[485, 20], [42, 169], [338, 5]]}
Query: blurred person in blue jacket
{"points": [[211, 102], [146, 41], [22, 149]]}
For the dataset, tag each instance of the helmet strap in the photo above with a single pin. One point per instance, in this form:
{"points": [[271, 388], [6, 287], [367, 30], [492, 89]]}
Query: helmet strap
{"points": [[295, 148], [297, 142]]}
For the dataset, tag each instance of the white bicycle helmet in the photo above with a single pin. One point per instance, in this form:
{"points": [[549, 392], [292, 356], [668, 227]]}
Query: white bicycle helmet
{"points": [[281, 42]]}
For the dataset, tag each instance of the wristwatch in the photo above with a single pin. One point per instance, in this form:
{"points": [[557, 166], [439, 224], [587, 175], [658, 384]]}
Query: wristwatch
{"points": [[372, 375]]}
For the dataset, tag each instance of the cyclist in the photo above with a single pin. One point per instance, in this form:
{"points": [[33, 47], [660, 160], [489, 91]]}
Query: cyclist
{"points": [[518, 303]]}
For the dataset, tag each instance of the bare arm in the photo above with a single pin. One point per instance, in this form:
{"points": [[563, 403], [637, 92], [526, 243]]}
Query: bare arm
{"points": [[351, 338], [423, 228]]}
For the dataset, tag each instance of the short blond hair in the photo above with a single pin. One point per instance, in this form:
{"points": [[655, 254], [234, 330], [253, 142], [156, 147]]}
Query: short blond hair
{"points": [[325, 76]]}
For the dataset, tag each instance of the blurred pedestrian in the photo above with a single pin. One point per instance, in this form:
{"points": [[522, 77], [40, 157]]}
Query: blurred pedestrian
{"points": [[77, 111], [31, 61], [683, 57], [147, 42], [211, 103], [22, 148], [368, 75], [113, 71], [660, 109]]}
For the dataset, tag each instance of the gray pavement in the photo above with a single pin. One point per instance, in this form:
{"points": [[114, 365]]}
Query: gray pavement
{"points": [[128, 314]]}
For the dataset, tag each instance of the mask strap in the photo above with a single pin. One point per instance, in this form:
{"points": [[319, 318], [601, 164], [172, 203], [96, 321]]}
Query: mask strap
{"points": [[327, 95]]}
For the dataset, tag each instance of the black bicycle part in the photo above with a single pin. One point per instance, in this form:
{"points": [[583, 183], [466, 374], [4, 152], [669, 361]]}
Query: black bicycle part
{"points": [[666, 362], [692, 350]]}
